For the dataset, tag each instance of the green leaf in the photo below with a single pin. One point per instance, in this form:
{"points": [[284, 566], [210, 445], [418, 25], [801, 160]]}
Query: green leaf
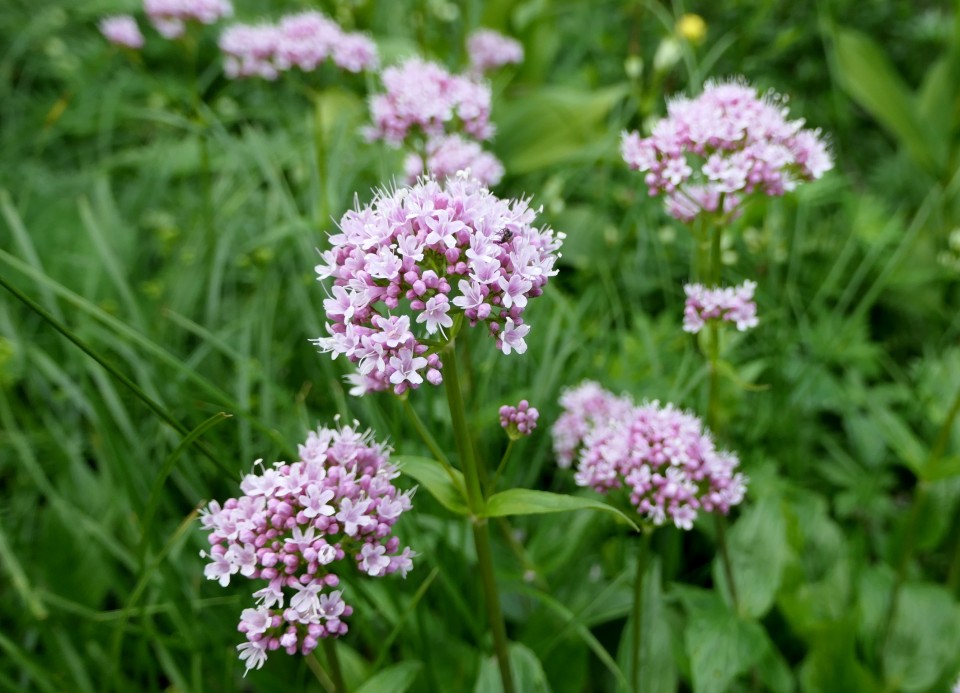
{"points": [[720, 645], [758, 551], [431, 475], [871, 80], [925, 638], [832, 665], [528, 674], [394, 679], [522, 501], [555, 125], [905, 444], [943, 468]]}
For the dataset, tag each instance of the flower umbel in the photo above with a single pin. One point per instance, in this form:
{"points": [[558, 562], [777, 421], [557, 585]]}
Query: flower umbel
{"points": [[732, 304], [661, 456], [169, 17], [122, 30], [489, 49], [722, 145], [291, 527], [421, 96], [447, 155], [304, 40], [520, 420], [418, 259]]}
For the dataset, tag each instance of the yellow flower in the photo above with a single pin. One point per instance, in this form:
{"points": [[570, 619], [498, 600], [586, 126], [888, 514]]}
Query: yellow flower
{"points": [[692, 28]]}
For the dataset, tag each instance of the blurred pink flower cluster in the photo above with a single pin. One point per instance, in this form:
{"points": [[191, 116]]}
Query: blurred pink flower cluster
{"points": [[292, 525], [170, 17], [731, 304], [304, 40], [662, 457], [419, 257], [122, 30], [423, 98], [449, 154], [722, 145], [489, 49]]}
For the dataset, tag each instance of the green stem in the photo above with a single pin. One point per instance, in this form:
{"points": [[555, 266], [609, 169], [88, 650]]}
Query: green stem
{"points": [[475, 502], [721, 524], [132, 386], [636, 655], [908, 541], [500, 467], [428, 439], [320, 152], [333, 661]]}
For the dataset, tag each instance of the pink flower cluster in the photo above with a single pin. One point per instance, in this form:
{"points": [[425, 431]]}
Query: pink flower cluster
{"points": [[169, 17], [489, 49], [122, 30], [726, 143], [732, 304], [422, 256], [303, 40], [422, 96], [661, 456], [292, 525], [520, 420], [447, 155]]}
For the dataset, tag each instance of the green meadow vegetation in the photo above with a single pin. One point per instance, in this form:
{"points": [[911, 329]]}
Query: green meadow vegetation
{"points": [[159, 228]]}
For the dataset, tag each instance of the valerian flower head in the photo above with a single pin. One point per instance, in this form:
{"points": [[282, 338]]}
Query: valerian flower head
{"points": [[170, 17], [731, 304], [418, 259], [520, 420], [424, 98], [661, 457], [122, 30], [721, 146], [447, 155], [290, 529], [304, 41], [489, 49]]}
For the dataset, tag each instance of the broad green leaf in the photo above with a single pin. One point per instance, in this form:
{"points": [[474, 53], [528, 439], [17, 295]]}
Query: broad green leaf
{"points": [[758, 552], [522, 501], [431, 475], [924, 639], [720, 645], [832, 665], [394, 679], [528, 674], [871, 80], [554, 125]]}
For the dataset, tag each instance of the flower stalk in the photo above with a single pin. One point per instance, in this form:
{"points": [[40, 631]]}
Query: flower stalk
{"points": [[475, 503]]}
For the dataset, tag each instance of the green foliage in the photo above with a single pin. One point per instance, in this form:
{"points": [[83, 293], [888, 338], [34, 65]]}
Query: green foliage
{"points": [[168, 220]]}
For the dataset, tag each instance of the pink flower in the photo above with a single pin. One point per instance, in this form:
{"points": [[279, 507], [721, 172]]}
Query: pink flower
{"points": [[489, 49], [287, 535], [727, 143], [660, 457], [731, 304], [304, 41], [441, 236], [169, 17], [520, 420], [448, 155], [122, 30], [422, 96]]}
